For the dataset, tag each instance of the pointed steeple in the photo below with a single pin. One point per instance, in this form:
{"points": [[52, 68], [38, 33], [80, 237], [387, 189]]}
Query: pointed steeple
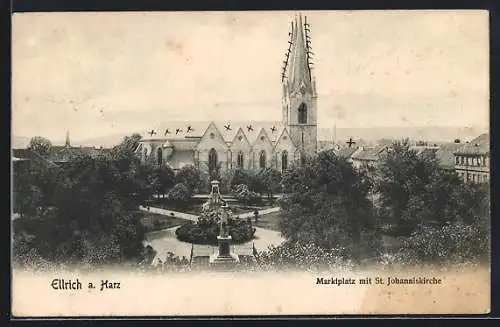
{"points": [[67, 143], [298, 72]]}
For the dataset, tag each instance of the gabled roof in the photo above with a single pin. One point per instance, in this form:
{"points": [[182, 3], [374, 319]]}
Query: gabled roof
{"points": [[480, 145], [369, 153], [249, 128], [262, 133], [244, 138], [346, 152], [284, 133]]}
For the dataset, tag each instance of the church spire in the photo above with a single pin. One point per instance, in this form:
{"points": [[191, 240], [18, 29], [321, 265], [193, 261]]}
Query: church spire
{"points": [[298, 66], [67, 143]]}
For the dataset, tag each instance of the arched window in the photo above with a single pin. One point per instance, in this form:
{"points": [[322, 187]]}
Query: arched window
{"points": [[262, 159], [302, 159], [302, 114], [240, 158], [212, 160], [160, 156], [284, 161]]}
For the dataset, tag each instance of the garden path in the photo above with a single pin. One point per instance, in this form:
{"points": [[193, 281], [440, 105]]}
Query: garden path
{"points": [[191, 217]]}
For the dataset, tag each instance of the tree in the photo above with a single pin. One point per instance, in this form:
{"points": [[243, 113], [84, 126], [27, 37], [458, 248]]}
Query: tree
{"points": [[179, 193], [238, 176], [27, 199], [94, 221], [40, 145], [415, 191], [189, 176], [166, 178], [131, 142], [325, 202], [271, 180], [244, 194]]}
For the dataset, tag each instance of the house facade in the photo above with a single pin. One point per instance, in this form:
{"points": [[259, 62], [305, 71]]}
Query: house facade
{"points": [[472, 161]]}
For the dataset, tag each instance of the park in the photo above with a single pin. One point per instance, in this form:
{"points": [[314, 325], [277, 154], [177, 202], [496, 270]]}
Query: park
{"points": [[113, 210]]}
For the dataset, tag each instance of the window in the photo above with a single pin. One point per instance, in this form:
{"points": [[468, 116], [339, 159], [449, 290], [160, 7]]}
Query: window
{"points": [[240, 137], [262, 138], [284, 161], [212, 135], [457, 160], [262, 159], [160, 156], [302, 114], [302, 159], [240, 160], [212, 160]]}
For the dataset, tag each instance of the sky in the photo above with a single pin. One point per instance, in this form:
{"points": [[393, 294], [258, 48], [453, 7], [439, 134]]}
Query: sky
{"points": [[97, 74]]}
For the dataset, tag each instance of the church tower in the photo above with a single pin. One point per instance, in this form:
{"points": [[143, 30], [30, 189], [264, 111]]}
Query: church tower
{"points": [[299, 90]]}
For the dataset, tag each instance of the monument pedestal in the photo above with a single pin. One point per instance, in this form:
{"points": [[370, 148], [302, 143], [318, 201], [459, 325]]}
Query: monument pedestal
{"points": [[224, 256]]}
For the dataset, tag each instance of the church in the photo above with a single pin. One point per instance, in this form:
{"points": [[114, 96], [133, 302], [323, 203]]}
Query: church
{"points": [[250, 145]]}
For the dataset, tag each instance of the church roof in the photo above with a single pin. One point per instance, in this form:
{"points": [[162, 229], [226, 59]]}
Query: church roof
{"points": [[184, 145], [228, 129]]}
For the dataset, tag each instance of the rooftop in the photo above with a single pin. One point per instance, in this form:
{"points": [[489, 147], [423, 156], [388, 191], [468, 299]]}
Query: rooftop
{"points": [[346, 152], [369, 153], [194, 130], [480, 145]]}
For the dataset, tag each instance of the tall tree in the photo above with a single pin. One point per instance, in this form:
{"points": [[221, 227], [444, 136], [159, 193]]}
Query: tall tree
{"points": [[166, 178], [271, 181], [131, 142], [40, 145], [415, 191], [189, 176], [325, 202]]}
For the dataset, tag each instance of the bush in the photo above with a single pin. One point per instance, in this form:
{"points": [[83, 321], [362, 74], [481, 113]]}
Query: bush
{"points": [[206, 232], [451, 243], [300, 255], [242, 193], [179, 193]]}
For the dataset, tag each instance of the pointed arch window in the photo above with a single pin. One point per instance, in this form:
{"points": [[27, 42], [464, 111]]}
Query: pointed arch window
{"points": [[212, 160], [284, 160], [159, 156], [262, 159], [240, 160], [302, 113]]}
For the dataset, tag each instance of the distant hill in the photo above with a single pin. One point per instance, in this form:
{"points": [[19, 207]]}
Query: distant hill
{"points": [[429, 133], [106, 141], [19, 142]]}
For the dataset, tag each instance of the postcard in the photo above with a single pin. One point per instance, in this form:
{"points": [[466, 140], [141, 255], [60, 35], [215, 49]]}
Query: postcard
{"points": [[260, 163]]}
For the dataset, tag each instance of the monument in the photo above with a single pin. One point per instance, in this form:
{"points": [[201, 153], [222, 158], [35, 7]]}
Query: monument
{"points": [[224, 256]]}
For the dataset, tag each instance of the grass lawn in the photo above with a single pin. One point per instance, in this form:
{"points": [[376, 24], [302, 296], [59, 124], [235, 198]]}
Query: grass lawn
{"points": [[154, 222], [269, 221]]}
